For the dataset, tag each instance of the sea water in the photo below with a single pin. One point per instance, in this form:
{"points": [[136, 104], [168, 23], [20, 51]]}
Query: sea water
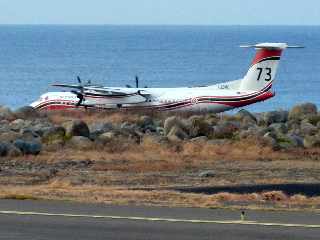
{"points": [[34, 57]]}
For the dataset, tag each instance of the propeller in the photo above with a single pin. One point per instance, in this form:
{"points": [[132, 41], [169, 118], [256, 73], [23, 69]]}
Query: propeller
{"points": [[80, 94], [79, 80]]}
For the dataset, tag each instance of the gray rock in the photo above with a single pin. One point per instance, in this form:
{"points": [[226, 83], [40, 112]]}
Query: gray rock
{"points": [[226, 129], [280, 116], [269, 140], [25, 147], [40, 128], [6, 114], [130, 131], [278, 128], [14, 151], [160, 130], [311, 141], [145, 121], [26, 112], [3, 149], [53, 135], [97, 129], [299, 111], [176, 134], [170, 122], [29, 135], [289, 141], [207, 174], [76, 128], [198, 126], [252, 132], [307, 128], [18, 124], [296, 140], [106, 137], [80, 142]]}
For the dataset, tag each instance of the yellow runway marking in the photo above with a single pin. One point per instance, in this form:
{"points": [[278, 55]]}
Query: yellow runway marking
{"points": [[161, 219]]}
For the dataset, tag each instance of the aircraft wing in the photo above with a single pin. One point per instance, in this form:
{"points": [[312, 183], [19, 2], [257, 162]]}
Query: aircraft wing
{"points": [[77, 86], [117, 91]]}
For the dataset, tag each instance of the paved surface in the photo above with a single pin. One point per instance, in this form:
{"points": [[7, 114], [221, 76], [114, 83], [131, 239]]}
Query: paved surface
{"points": [[65, 220]]}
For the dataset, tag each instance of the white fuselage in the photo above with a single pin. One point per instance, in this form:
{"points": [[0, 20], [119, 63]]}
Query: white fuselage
{"points": [[214, 98]]}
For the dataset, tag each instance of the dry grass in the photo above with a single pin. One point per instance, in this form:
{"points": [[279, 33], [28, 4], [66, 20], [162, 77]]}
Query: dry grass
{"points": [[58, 190]]}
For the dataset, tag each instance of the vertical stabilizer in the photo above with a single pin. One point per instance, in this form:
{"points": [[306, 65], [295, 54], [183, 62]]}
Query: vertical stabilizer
{"points": [[264, 66]]}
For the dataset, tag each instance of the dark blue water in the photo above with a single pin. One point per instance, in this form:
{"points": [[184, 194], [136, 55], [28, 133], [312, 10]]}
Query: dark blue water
{"points": [[33, 57]]}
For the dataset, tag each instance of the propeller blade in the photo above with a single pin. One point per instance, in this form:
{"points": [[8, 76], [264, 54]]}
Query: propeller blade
{"points": [[79, 79], [137, 82], [79, 96]]}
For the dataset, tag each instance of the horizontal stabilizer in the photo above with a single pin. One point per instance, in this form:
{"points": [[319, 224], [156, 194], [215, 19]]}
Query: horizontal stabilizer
{"points": [[270, 46]]}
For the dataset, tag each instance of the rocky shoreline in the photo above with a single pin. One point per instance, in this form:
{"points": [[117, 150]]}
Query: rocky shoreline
{"points": [[124, 157], [26, 131]]}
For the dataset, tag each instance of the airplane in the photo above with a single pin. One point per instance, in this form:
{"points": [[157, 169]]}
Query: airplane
{"points": [[254, 87]]}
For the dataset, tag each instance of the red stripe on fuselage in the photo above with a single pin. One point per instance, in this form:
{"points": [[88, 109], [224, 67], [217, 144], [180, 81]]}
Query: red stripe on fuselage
{"points": [[265, 53]]}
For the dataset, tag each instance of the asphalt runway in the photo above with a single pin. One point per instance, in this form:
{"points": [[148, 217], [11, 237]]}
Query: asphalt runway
{"points": [[66, 220]]}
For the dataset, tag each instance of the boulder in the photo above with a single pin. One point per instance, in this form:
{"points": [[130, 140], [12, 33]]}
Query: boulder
{"points": [[26, 112], [145, 121], [313, 119], [252, 132], [80, 142], [280, 116], [130, 131], [18, 124], [160, 131], [177, 134], [225, 129], [212, 119], [170, 122], [29, 135], [198, 126], [13, 151], [269, 140], [28, 147], [97, 129], [301, 110], [289, 141], [295, 140], [41, 127], [6, 114], [53, 135], [3, 149], [307, 128], [311, 141], [76, 128], [106, 137], [278, 128]]}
